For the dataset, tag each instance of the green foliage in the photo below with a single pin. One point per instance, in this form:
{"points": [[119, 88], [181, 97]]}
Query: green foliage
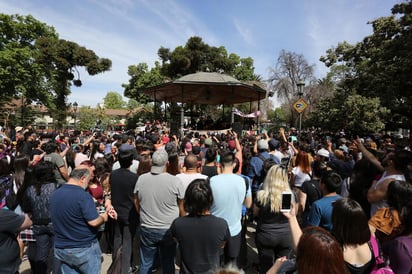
{"points": [[19, 73], [354, 113], [132, 104], [113, 100], [86, 118], [277, 116], [381, 65], [141, 77], [196, 56], [36, 64]]}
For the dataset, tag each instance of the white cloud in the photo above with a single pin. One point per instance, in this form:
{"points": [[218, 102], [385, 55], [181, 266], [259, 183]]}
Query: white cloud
{"points": [[243, 31]]}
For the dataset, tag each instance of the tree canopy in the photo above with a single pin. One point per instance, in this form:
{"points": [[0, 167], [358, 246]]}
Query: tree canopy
{"points": [[36, 64], [381, 64], [113, 100]]}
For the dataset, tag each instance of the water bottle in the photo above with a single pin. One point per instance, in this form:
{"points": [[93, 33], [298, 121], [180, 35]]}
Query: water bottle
{"points": [[101, 210]]}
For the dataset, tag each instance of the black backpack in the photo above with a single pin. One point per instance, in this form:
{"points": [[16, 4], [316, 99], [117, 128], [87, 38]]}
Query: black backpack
{"points": [[267, 164]]}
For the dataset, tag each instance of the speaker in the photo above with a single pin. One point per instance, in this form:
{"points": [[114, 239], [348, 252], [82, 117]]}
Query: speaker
{"points": [[174, 128], [237, 127]]}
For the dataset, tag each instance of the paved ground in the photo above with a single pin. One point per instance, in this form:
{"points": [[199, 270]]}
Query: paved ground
{"points": [[107, 258]]}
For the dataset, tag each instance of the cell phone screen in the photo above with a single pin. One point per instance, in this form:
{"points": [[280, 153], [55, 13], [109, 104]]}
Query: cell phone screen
{"points": [[286, 201]]}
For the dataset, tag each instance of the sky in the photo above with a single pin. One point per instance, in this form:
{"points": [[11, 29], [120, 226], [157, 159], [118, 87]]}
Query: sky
{"points": [[130, 32]]}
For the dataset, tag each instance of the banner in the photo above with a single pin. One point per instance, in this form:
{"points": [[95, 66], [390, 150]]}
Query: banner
{"points": [[251, 115]]}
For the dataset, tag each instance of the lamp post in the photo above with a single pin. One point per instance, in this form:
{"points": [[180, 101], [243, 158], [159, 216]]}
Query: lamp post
{"points": [[75, 113], [300, 85]]}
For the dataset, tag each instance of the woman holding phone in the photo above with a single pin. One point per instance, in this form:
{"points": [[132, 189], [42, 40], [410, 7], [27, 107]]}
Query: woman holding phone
{"points": [[273, 235]]}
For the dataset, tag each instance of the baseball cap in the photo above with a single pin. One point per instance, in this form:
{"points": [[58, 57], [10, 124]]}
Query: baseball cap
{"points": [[323, 152], [262, 144], [159, 161]]}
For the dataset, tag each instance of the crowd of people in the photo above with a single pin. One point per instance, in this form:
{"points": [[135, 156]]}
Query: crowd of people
{"points": [[185, 202]]}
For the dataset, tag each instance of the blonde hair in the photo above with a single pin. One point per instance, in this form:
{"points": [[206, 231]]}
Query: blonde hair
{"points": [[275, 183]]}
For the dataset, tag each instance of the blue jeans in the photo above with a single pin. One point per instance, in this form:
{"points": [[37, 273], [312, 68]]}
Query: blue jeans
{"points": [[151, 240], [83, 260]]}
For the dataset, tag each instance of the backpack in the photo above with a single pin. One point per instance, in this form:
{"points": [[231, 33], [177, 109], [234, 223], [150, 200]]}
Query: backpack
{"points": [[267, 164], [381, 266], [8, 197]]}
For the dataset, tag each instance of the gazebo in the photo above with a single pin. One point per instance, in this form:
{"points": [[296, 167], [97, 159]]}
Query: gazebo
{"points": [[208, 88]]}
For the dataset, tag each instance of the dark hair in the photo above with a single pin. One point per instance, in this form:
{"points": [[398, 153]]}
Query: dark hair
{"points": [[43, 173], [50, 147], [398, 194], [331, 180], [145, 164], [319, 252], [101, 166], [318, 168], [5, 167], [20, 163], [227, 157], [210, 155], [350, 223], [198, 197], [406, 217], [173, 165], [125, 158], [237, 165]]}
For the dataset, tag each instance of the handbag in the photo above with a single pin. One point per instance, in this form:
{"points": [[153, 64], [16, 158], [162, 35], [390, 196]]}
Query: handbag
{"points": [[381, 265]]}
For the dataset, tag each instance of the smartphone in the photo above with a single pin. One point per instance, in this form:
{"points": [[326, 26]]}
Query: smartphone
{"points": [[286, 201]]}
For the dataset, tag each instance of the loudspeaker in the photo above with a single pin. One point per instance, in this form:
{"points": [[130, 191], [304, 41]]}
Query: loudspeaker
{"points": [[174, 128], [237, 127]]}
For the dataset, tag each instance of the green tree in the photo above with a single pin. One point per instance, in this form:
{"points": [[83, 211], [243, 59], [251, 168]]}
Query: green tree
{"points": [[86, 118], [354, 113], [37, 65], [113, 100], [132, 104], [381, 64], [20, 75], [61, 59], [141, 77]]}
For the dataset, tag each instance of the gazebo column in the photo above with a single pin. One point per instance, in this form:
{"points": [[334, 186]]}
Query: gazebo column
{"points": [[182, 117], [257, 117]]}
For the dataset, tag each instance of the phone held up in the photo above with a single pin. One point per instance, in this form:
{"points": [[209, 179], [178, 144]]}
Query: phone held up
{"points": [[286, 201]]}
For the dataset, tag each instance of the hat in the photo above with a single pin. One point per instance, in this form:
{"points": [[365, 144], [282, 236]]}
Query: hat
{"points": [[159, 160], [273, 144], [188, 147], [323, 152], [18, 129], [231, 144], [262, 144], [208, 142], [344, 148]]}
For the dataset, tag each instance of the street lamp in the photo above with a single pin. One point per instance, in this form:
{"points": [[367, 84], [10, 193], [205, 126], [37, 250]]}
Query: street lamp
{"points": [[75, 113], [300, 85]]}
